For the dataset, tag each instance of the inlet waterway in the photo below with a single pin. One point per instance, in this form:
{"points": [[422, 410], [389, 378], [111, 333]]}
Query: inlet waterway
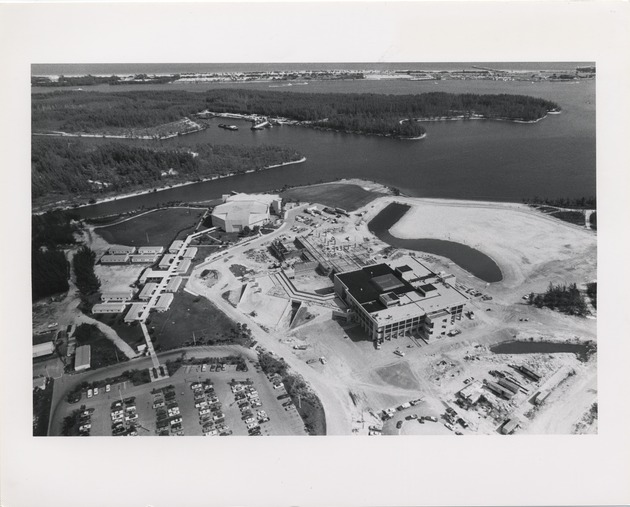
{"points": [[581, 350], [473, 261], [473, 160]]}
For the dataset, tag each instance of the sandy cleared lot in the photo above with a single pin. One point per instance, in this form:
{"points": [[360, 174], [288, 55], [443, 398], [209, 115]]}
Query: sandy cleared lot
{"points": [[526, 244]]}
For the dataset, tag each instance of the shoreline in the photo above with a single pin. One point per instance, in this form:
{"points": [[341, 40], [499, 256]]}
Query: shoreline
{"points": [[160, 189]]}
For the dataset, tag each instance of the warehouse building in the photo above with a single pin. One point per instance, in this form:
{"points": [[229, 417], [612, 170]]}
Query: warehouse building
{"points": [[43, 344], [82, 358], [389, 302], [245, 210], [108, 308]]}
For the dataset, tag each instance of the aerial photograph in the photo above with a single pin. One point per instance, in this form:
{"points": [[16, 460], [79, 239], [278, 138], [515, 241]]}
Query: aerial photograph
{"points": [[369, 249]]}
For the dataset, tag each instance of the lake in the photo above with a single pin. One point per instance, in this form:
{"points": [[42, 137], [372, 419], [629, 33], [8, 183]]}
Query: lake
{"points": [[581, 350], [473, 261], [476, 159]]}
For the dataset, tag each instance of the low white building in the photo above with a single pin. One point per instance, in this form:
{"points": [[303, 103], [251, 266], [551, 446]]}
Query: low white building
{"points": [[166, 261], [173, 284], [163, 302], [175, 246], [150, 250], [143, 258], [135, 312], [108, 308], [117, 296], [183, 267], [147, 291], [115, 259], [190, 252], [121, 250]]}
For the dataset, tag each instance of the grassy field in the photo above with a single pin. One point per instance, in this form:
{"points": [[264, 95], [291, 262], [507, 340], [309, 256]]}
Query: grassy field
{"points": [[132, 334], [573, 217], [103, 351], [162, 227], [348, 197], [190, 314]]}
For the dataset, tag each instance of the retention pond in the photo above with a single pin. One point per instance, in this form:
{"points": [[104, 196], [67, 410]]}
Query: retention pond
{"points": [[581, 350], [473, 261]]}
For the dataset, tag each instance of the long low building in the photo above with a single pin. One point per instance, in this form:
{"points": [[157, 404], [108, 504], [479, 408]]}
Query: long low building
{"points": [[150, 250], [166, 261], [391, 301], [121, 250], [115, 259], [117, 296], [143, 258], [135, 312], [147, 291], [173, 284], [183, 266], [175, 246], [190, 252], [108, 308], [163, 302]]}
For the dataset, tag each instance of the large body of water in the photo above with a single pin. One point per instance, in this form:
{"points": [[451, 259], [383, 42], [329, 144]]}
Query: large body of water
{"points": [[478, 160], [471, 260]]}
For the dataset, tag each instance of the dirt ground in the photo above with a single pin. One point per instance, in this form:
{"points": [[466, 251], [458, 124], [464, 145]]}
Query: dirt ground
{"points": [[357, 382]]}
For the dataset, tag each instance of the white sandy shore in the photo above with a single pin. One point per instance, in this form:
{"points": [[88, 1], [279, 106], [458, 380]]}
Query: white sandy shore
{"points": [[523, 242]]}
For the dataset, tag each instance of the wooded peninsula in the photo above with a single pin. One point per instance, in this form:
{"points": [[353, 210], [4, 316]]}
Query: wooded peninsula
{"points": [[72, 167], [362, 113]]}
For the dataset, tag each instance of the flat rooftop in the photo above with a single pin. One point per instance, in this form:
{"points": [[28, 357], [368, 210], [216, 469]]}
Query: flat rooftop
{"points": [[422, 293]]}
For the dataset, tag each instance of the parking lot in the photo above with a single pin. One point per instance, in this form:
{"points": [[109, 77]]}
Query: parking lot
{"points": [[195, 401]]}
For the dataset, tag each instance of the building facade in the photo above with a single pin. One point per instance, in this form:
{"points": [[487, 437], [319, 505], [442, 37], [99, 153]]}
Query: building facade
{"points": [[394, 301]]}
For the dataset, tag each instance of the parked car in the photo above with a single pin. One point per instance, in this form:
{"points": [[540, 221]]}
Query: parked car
{"points": [[89, 393], [108, 388], [399, 424]]}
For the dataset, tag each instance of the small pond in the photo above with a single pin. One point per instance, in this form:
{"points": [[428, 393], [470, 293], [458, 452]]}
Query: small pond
{"points": [[581, 350]]}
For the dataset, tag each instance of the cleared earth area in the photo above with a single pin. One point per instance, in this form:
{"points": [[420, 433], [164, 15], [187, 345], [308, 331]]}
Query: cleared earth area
{"points": [[161, 227]]}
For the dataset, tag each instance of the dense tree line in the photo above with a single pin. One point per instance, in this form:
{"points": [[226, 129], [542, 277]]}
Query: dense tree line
{"points": [[49, 267], [564, 298], [49, 272], [72, 111], [367, 109], [61, 167], [83, 264], [53, 228], [591, 291], [564, 202]]}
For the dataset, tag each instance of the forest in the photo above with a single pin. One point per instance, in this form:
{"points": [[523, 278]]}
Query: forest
{"points": [[72, 111], [62, 168], [563, 298], [49, 267]]}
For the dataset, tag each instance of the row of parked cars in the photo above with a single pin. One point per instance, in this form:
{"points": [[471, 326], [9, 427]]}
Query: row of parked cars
{"points": [[211, 418], [248, 402], [85, 421], [124, 416], [167, 411]]}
